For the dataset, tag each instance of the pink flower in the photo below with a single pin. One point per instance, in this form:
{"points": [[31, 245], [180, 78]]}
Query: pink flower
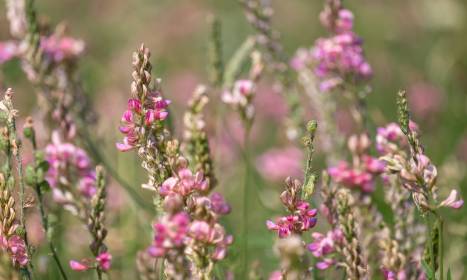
{"points": [[60, 49], [297, 223], [391, 275], [389, 138], [219, 205], [355, 178], [8, 50], [425, 100], [277, 164], [78, 266], [140, 117], [170, 234], [104, 260], [184, 184], [69, 165], [325, 244], [276, 275], [452, 201], [325, 264], [18, 251]]}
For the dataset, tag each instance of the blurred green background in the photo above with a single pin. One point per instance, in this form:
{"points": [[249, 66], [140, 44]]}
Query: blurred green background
{"points": [[416, 45]]}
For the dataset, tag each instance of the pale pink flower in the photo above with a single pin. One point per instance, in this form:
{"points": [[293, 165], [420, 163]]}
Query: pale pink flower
{"points": [[62, 48], [8, 50], [185, 183], [78, 266], [277, 164], [425, 100], [452, 201]]}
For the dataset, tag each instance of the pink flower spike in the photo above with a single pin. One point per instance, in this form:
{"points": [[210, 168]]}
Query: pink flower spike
{"points": [[452, 201], [104, 260], [78, 266]]}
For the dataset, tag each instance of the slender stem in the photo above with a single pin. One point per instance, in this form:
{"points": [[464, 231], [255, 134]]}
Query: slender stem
{"points": [[45, 220], [245, 204], [441, 247], [45, 226]]}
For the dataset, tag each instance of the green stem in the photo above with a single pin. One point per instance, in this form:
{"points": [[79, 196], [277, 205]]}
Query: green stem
{"points": [[245, 206], [45, 226]]}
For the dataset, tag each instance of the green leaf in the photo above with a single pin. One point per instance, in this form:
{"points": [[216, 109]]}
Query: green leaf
{"points": [[428, 271], [449, 276]]}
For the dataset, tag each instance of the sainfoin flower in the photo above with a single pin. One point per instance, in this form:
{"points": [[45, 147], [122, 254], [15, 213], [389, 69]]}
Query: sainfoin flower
{"points": [[61, 48], [241, 97], [452, 201], [185, 183], [16, 248], [69, 166], [8, 50], [104, 260], [324, 245], [170, 234], [357, 178], [301, 218], [138, 118], [277, 164], [338, 58]]}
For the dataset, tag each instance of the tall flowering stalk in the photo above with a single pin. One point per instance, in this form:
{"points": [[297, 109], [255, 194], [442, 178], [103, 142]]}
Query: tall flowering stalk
{"points": [[259, 14], [240, 96], [188, 235], [419, 176], [301, 218], [14, 235], [35, 177], [50, 61], [143, 121]]}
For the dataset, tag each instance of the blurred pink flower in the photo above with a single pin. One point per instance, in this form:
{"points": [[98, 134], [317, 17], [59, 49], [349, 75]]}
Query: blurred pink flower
{"points": [[68, 163], [425, 99], [78, 266], [62, 48], [277, 164], [8, 50]]}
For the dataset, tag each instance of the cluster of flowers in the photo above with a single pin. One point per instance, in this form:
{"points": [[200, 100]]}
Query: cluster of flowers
{"points": [[364, 170], [301, 218], [323, 246], [337, 58], [140, 114], [241, 97], [56, 48], [69, 165], [191, 224], [417, 173], [16, 248], [103, 261]]}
